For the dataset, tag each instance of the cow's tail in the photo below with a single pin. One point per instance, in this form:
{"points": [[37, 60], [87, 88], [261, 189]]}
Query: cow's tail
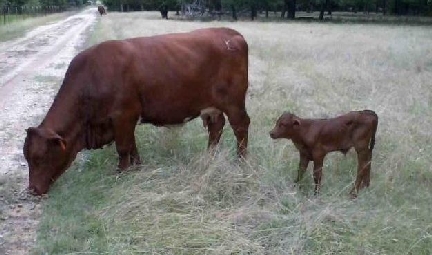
{"points": [[374, 128]]}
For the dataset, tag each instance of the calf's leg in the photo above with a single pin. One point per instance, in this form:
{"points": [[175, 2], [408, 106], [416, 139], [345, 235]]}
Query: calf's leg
{"points": [[215, 126], [363, 166], [304, 162], [317, 172], [366, 176]]}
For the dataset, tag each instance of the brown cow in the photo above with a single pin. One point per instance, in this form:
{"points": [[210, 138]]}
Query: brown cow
{"points": [[101, 10], [314, 138], [162, 80]]}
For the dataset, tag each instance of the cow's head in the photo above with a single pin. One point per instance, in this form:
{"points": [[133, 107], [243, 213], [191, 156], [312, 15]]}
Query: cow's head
{"points": [[286, 126], [45, 152]]}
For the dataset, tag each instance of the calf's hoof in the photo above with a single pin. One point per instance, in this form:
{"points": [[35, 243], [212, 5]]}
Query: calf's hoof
{"points": [[353, 195]]}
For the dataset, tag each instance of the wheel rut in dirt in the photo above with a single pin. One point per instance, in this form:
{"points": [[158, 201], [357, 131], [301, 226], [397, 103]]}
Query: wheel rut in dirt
{"points": [[31, 69]]}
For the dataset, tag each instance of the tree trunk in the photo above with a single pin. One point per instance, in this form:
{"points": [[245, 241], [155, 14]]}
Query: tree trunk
{"points": [[321, 16], [234, 12], [253, 12], [266, 10], [218, 8], [218, 5], [324, 5], [284, 9], [290, 6], [397, 12], [329, 7]]}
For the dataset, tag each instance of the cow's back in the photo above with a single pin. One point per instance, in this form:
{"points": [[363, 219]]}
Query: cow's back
{"points": [[170, 77], [178, 75]]}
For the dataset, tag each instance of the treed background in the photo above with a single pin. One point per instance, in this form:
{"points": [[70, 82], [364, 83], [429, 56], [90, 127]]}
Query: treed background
{"points": [[284, 9], [335, 56]]}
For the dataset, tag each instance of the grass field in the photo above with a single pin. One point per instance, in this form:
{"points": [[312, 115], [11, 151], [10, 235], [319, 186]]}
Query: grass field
{"points": [[184, 201], [17, 26]]}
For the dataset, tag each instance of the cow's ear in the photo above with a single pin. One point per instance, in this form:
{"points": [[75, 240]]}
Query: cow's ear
{"points": [[296, 122], [59, 141], [31, 130]]}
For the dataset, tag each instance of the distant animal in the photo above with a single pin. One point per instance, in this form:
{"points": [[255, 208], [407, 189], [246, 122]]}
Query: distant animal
{"points": [[161, 80], [315, 138], [164, 11], [101, 10]]}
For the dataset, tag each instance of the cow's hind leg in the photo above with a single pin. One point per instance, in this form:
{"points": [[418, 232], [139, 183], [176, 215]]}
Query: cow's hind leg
{"points": [[239, 121], [124, 137]]}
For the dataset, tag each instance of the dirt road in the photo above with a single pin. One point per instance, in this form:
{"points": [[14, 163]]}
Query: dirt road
{"points": [[31, 70]]}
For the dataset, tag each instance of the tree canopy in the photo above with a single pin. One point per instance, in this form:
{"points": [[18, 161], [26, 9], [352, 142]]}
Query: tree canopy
{"points": [[43, 3], [288, 7]]}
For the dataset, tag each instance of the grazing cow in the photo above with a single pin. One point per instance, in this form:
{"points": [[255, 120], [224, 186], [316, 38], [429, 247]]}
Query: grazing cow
{"points": [[164, 11], [162, 80], [314, 138], [101, 10]]}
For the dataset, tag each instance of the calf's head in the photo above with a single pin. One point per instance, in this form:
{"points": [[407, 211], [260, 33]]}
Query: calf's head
{"points": [[286, 126], [45, 152]]}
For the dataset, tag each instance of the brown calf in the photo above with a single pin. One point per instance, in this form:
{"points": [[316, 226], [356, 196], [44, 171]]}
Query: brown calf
{"points": [[314, 138]]}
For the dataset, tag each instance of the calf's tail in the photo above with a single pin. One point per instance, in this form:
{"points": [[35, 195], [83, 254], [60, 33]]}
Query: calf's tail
{"points": [[374, 128]]}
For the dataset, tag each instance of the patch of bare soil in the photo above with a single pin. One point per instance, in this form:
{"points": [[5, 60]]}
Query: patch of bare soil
{"points": [[28, 68]]}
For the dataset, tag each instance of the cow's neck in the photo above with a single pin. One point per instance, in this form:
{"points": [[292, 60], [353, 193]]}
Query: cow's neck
{"points": [[64, 118], [302, 133]]}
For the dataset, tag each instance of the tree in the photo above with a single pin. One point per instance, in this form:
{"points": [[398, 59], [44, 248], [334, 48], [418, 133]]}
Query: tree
{"points": [[290, 6]]}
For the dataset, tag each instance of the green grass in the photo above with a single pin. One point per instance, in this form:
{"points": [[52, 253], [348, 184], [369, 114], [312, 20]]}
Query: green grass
{"points": [[183, 200], [17, 26]]}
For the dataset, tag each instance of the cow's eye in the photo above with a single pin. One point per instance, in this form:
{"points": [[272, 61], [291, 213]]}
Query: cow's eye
{"points": [[37, 160]]}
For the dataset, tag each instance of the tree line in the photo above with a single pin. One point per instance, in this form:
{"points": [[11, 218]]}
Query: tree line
{"points": [[286, 8], [44, 4]]}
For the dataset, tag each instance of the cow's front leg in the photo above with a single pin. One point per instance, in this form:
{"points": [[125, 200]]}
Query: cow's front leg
{"points": [[304, 162], [318, 159]]}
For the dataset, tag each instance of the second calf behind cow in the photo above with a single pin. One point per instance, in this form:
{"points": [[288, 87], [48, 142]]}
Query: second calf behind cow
{"points": [[315, 138]]}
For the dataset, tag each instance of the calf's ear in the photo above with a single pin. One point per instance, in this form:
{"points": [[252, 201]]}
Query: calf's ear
{"points": [[296, 122]]}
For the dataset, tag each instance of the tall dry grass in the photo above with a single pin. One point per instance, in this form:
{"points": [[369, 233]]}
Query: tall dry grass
{"points": [[186, 201]]}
